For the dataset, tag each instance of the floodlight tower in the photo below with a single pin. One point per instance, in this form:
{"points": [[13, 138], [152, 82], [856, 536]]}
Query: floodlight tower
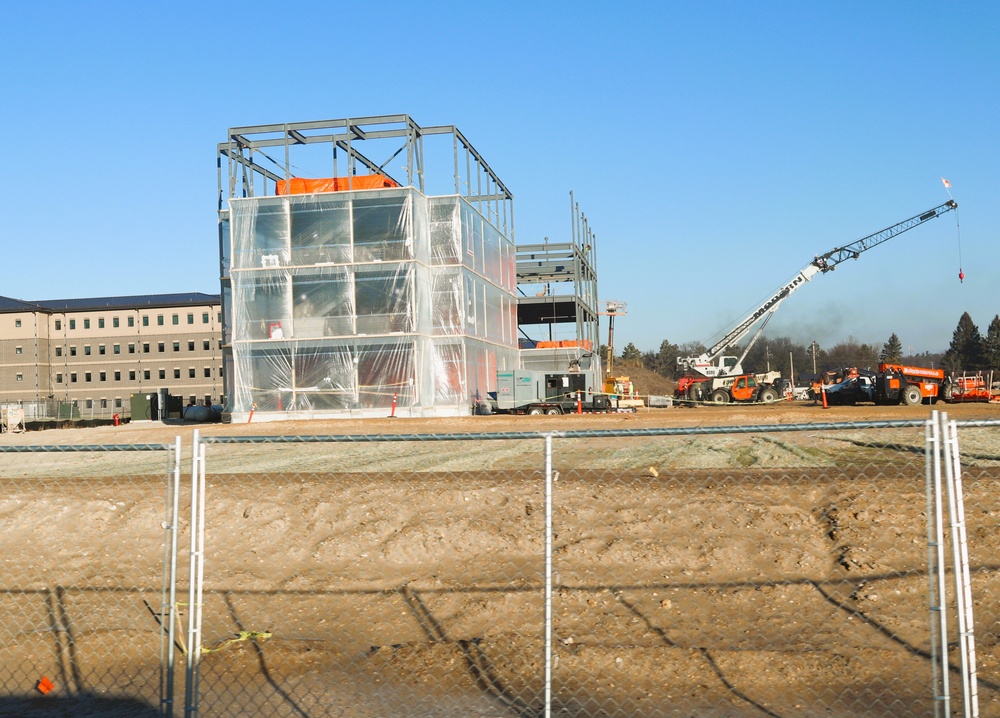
{"points": [[612, 308]]}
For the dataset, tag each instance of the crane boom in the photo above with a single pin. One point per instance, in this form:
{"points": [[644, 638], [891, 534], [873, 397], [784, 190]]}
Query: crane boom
{"points": [[713, 364], [827, 262]]}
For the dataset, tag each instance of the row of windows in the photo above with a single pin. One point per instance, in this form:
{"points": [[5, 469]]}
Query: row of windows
{"points": [[103, 403], [206, 345], [175, 319], [146, 375]]}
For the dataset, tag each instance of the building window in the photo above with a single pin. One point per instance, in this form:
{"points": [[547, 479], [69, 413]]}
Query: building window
{"points": [[17, 322], [118, 403], [117, 348], [131, 321], [114, 322], [72, 324], [220, 344], [220, 317], [131, 348], [177, 373], [89, 404], [103, 376], [204, 318], [72, 377], [208, 372], [58, 351], [101, 350], [220, 371], [145, 347], [160, 347], [175, 320], [191, 346], [177, 346], [163, 374], [86, 350], [208, 399], [104, 403], [72, 351], [100, 325], [145, 375], [190, 318], [159, 320], [58, 378], [17, 350], [20, 377], [58, 325], [86, 377], [131, 375], [145, 320], [191, 373], [192, 400], [118, 376], [86, 324], [206, 345]]}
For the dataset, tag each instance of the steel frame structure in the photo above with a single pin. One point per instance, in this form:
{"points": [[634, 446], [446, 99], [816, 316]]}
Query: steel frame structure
{"points": [[251, 169]]}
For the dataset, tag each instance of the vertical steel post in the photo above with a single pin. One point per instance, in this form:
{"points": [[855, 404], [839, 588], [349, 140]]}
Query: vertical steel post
{"points": [[936, 573], [168, 598], [548, 576], [195, 574], [960, 554]]}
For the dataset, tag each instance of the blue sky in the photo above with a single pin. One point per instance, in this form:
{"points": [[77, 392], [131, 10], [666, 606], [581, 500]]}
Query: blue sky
{"points": [[715, 147]]}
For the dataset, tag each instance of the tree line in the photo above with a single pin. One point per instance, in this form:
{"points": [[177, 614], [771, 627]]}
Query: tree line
{"points": [[969, 352]]}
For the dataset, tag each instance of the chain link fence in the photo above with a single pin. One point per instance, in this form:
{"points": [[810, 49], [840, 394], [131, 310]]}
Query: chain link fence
{"points": [[733, 571], [85, 586], [778, 570]]}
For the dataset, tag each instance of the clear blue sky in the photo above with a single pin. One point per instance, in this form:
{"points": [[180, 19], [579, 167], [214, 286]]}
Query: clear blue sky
{"points": [[715, 147]]}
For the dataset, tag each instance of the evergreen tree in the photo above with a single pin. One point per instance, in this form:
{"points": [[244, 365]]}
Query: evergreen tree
{"points": [[965, 353], [631, 353], [665, 361], [892, 350], [991, 346]]}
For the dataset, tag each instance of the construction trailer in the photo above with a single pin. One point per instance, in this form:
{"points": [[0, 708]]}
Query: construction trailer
{"points": [[523, 391]]}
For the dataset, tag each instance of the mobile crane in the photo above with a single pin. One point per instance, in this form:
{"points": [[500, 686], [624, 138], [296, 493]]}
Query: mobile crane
{"points": [[712, 374]]}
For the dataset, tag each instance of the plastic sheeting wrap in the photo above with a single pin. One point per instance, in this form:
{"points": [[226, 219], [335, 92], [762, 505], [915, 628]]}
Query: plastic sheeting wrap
{"points": [[342, 302]]}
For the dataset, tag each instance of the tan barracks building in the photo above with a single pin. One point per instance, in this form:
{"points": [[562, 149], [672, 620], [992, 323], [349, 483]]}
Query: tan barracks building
{"points": [[93, 354]]}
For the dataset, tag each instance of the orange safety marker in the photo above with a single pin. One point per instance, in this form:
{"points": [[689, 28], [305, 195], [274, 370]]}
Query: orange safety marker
{"points": [[252, 408], [825, 405], [393, 414], [44, 686], [579, 404]]}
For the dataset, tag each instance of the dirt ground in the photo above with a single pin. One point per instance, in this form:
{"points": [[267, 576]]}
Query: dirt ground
{"points": [[772, 573]]}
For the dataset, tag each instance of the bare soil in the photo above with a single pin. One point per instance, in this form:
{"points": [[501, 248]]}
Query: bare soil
{"points": [[772, 572]]}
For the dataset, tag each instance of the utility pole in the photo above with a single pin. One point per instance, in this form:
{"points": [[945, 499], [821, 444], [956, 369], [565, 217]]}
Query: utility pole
{"points": [[814, 356]]}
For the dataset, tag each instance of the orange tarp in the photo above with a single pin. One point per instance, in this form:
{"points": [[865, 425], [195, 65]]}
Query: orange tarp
{"points": [[565, 344], [301, 185]]}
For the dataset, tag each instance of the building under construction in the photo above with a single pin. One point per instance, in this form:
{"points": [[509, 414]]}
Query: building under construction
{"points": [[369, 269]]}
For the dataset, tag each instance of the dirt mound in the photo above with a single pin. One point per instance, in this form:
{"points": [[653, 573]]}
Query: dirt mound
{"points": [[646, 382]]}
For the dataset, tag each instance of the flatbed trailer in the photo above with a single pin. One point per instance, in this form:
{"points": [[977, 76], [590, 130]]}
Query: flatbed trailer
{"points": [[524, 391]]}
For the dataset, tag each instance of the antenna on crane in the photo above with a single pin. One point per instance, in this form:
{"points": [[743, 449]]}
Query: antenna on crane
{"points": [[612, 308]]}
